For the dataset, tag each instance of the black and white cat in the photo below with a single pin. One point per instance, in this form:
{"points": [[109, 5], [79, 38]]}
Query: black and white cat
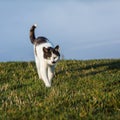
{"points": [[46, 56]]}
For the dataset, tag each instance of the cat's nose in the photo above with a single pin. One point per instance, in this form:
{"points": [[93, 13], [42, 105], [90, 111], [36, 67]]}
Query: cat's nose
{"points": [[53, 62]]}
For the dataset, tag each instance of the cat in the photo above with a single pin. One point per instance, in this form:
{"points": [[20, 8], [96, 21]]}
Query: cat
{"points": [[46, 56]]}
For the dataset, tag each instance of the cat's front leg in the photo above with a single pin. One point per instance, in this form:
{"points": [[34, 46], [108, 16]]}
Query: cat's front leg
{"points": [[45, 76], [50, 73]]}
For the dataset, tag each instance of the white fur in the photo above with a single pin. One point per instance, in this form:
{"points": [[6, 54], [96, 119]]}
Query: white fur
{"points": [[35, 25], [45, 68]]}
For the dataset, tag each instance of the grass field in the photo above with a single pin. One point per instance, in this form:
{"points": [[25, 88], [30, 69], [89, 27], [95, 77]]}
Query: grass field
{"points": [[81, 90]]}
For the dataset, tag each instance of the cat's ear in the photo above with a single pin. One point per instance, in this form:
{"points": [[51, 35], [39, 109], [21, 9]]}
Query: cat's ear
{"points": [[57, 48], [45, 49]]}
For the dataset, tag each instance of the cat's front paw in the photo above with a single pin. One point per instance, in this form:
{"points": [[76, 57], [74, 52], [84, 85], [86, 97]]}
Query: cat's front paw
{"points": [[48, 85]]}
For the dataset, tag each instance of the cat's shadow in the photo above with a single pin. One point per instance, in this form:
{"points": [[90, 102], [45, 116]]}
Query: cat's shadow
{"points": [[91, 69]]}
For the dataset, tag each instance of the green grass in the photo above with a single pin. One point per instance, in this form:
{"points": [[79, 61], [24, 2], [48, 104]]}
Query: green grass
{"points": [[86, 90]]}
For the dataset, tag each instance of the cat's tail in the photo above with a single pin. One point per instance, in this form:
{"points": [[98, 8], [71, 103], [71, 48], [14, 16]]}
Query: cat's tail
{"points": [[32, 34]]}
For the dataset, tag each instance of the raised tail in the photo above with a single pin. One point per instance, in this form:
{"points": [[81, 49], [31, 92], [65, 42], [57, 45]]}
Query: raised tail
{"points": [[32, 34]]}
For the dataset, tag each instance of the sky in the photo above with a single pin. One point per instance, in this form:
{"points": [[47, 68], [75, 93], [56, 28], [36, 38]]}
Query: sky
{"points": [[84, 29]]}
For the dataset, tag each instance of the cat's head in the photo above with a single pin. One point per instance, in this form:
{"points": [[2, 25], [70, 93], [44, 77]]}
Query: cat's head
{"points": [[51, 55]]}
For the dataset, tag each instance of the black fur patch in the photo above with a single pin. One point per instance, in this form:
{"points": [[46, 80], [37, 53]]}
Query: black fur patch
{"points": [[32, 34], [41, 40], [48, 52], [56, 51]]}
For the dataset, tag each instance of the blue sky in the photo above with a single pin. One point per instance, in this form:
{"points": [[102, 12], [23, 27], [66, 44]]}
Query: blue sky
{"points": [[84, 29]]}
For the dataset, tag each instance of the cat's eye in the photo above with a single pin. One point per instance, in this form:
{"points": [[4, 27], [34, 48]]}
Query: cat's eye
{"points": [[55, 57]]}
